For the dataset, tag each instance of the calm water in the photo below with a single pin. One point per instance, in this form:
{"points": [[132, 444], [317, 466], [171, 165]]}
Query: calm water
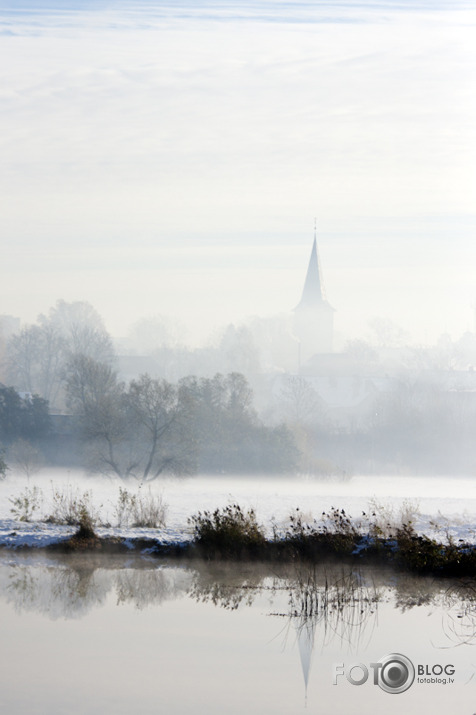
{"points": [[109, 635]]}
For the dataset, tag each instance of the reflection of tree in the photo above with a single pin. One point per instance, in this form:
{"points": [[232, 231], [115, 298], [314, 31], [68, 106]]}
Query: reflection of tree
{"points": [[229, 587], [147, 587], [320, 603], [58, 592], [224, 595], [71, 590], [24, 586]]}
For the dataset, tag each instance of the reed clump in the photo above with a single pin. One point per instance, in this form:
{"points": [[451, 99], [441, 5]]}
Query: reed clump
{"points": [[230, 531]]}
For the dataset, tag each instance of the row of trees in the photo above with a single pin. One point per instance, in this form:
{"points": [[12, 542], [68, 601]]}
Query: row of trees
{"points": [[22, 417], [145, 427], [24, 423], [182, 424], [151, 426]]}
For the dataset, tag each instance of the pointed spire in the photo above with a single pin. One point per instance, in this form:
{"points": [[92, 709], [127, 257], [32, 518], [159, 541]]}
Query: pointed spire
{"points": [[305, 627], [312, 293]]}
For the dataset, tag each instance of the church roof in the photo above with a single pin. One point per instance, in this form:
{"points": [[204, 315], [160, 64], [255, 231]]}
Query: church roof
{"points": [[313, 293]]}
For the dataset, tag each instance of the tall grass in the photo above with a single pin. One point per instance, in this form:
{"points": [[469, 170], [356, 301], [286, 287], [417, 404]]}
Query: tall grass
{"points": [[72, 507], [140, 509]]}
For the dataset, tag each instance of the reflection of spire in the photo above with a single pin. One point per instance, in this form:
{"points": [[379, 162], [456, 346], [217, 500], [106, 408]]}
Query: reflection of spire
{"points": [[305, 632]]}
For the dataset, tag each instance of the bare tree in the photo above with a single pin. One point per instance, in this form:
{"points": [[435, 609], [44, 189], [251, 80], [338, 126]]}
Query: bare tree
{"points": [[34, 360], [38, 356], [27, 457], [97, 398], [82, 329], [161, 420], [137, 432], [300, 401]]}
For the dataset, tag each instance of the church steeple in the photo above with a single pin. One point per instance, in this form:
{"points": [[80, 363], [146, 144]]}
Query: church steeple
{"points": [[312, 293], [313, 316]]}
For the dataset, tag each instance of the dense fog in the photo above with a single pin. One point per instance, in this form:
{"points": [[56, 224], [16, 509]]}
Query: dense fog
{"points": [[71, 395], [164, 166]]}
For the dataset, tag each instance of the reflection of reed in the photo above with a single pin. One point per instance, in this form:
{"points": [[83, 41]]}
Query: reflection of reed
{"points": [[324, 606], [413, 591], [342, 607], [459, 609], [342, 603]]}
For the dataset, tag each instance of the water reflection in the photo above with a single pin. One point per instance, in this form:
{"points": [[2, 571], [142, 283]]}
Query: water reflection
{"points": [[323, 605], [322, 611], [343, 602], [459, 621], [53, 589], [71, 587]]}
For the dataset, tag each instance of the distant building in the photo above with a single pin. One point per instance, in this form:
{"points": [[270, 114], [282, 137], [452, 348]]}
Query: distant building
{"points": [[313, 316]]}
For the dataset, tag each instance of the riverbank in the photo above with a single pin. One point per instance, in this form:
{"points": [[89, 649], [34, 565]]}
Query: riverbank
{"points": [[406, 551]]}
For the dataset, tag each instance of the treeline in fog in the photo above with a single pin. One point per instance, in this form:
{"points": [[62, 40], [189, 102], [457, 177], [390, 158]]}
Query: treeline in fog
{"points": [[151, 405], [146, 427], [152, 426]]}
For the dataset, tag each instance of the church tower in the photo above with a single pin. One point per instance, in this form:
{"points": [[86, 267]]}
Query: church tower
{"points": [[313, 316]]}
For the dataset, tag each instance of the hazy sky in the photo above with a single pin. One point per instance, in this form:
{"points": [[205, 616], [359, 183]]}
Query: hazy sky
{"points": [[170, 157]]}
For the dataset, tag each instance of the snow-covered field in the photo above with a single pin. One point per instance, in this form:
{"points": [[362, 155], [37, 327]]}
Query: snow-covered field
{"points": [[450, 501]]}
